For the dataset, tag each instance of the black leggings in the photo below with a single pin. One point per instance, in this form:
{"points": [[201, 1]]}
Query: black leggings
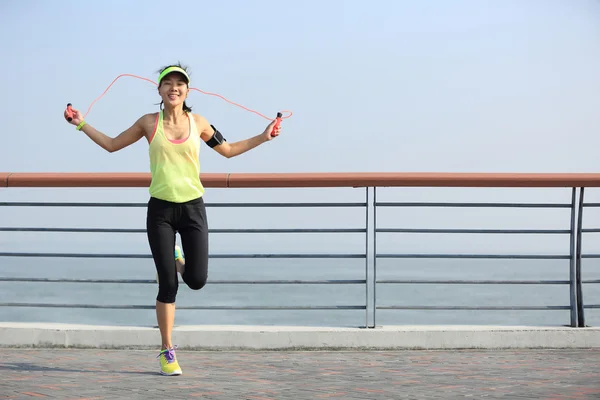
{"points": [[163, 220]]}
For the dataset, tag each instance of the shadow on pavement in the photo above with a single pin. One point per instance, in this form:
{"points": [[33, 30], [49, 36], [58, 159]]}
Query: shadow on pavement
{"points": [[28, 367]]}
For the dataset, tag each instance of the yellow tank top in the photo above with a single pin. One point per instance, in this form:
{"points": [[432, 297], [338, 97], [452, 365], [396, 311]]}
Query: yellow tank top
{"points": [[175, 165]]}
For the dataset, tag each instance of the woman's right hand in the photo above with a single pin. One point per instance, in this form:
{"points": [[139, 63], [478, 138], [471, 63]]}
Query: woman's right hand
{"points": [[77, 117]]}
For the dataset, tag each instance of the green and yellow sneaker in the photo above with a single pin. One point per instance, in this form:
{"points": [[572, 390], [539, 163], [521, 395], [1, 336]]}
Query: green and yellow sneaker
{"points": [[168, 362], [179, 257], [178, 253]]}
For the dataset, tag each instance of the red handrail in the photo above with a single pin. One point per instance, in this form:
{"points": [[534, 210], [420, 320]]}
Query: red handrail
{"points": [[316, 179]]}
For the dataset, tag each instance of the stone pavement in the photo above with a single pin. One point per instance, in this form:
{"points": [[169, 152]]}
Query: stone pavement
{"points": [[403, 374]]}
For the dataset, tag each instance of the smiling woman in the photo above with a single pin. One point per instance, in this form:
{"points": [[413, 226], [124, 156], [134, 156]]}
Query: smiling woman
{"points": [[176, 202]]}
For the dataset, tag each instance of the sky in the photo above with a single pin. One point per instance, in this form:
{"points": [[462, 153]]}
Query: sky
{"points": [[435, 85], [425, 86]]}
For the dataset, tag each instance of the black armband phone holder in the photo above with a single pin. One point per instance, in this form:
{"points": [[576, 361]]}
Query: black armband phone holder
{"points": [[216, 138]]}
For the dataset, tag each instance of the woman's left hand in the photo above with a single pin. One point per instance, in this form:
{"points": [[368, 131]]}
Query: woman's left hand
{"points": [[271, 131]]}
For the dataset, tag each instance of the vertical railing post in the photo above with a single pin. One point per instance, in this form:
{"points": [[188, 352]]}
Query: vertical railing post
{"points": [[572, 274], [367, 257], [374, 254], [579, 289]]}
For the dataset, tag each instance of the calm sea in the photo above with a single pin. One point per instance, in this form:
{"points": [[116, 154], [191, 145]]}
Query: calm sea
{"points": [[296, 295]]}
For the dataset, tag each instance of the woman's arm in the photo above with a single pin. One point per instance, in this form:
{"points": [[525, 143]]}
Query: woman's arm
{"points": [[226, 149], [124, 139]]}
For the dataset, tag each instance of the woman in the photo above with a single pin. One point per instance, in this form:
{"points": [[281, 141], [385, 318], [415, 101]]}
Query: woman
{"points": [[176, 193]]}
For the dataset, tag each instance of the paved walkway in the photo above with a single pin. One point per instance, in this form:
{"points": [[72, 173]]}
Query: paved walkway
{"points": [[124, 374]]}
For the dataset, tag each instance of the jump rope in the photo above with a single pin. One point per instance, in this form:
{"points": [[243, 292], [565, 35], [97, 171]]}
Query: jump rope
{"points": [[277, 123]]}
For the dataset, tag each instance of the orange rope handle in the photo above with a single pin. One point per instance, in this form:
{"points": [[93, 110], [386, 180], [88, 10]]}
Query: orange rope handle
{"points": [[196, 89]]}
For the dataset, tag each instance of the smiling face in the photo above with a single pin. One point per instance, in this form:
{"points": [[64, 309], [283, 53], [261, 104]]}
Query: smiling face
{"points": [[173, 89]]}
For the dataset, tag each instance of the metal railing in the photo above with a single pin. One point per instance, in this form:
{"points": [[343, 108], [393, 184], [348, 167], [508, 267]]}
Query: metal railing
{"points": [[371, 229]]}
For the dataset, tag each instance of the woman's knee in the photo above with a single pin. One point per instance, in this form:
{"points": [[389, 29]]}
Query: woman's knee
{"points": [[195, 282]]}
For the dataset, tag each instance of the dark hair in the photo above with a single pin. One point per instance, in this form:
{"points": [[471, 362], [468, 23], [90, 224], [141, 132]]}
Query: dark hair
{"points": [[186, 108]]}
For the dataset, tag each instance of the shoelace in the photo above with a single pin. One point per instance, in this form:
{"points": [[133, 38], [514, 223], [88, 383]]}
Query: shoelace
{"points": [[169, 354]]}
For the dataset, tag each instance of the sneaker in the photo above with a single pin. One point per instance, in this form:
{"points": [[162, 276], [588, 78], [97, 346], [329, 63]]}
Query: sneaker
{"points": [[178, 253], [168, 362], [179, 257]]}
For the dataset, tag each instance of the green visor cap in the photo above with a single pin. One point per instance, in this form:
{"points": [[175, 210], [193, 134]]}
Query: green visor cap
{"points": [[173, 69]]}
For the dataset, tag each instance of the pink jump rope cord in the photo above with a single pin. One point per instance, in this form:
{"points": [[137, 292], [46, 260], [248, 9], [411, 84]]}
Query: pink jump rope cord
{"points": [[279, 114]]}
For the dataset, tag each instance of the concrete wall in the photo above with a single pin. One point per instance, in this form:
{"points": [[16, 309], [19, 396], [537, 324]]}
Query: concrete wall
{"points": [[290, 337]]}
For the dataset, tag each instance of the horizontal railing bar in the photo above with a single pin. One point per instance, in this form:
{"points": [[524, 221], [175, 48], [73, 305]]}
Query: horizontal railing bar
{"points": [[215, 282], [591, 230], [73, 230], [180, 307], [506, 231], [302, 282], [299, 230], [447, 256], [592, 306], [590, 256], [591, 281], [314, 179], [67, 204], [484, 205], [591, 204], [108, 255], [117, 205], [74, 255], [142, 230], [489, 308], [495, 256], [473, 282], [278, 205], [275, 205]]}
